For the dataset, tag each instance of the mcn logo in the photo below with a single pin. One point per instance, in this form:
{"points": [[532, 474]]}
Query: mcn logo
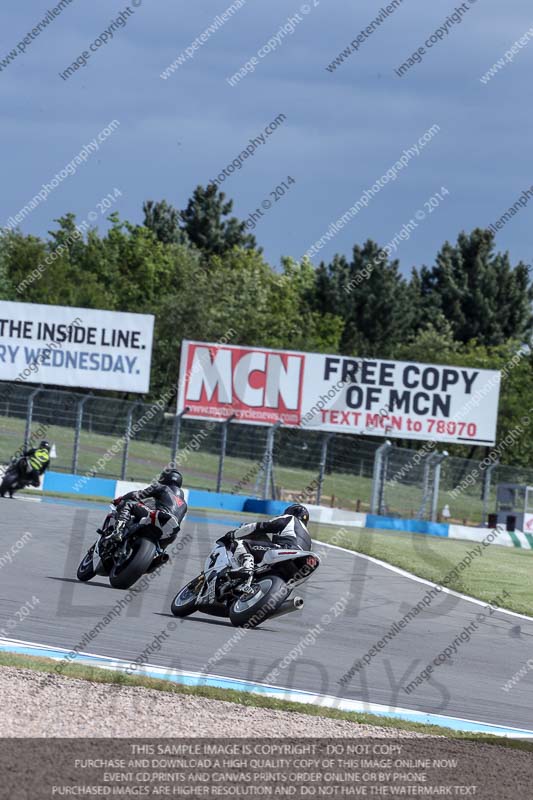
{"points": [[256, 385]]}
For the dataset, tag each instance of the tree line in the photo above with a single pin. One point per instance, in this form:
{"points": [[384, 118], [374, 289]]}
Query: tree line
{"points": [[202, 273]]}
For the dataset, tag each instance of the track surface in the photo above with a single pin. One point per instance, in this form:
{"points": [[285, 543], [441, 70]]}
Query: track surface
{"points": [[468, 687]]}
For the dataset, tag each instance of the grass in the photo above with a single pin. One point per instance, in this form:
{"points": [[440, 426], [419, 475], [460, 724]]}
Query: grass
{"points": [[146, 459], [248, 699], [497, 569]]}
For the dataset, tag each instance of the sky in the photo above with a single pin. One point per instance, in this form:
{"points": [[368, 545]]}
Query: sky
{"points": [[342, 129]]}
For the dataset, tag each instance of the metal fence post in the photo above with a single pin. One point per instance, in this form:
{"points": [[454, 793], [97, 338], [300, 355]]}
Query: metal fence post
{"points": [[77, 432], [268, 457], [426, 484], [29, 417], [176, 435], [223, 450], [487, 480], [378, 477], [322, 466], [127, 438], [439, 458]]}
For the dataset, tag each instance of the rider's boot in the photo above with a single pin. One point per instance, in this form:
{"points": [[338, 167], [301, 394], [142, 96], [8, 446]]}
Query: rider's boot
{"points": [[244, 572]]}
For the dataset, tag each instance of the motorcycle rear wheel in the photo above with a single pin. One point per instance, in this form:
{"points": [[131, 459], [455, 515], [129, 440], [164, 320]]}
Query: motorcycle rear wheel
{"points": [[251, 610], [125, 574]]}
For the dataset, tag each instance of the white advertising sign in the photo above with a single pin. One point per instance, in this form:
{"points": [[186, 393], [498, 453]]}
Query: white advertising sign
{"points": [[339, 394], [77, 347]]}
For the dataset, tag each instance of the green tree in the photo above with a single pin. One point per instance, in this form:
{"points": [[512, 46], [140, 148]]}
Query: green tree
{"points": [[433, 342], [206, 227], [371, 296], [7, 290], [304, 327], [164, 221], [516, 366], [55, 271], [481, 294], [140, 265], [238, 297], [22, 258]]}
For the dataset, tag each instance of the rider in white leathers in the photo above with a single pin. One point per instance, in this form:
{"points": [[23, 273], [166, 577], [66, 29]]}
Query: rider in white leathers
{"points": [[252, 540]]}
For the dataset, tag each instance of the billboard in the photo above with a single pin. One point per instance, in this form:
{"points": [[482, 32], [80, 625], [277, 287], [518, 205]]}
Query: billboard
{"points": [[77, 347], [339, 394]]}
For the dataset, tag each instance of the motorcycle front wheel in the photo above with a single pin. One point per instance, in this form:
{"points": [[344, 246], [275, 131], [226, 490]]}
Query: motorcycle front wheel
{"points": [[184, 603], [86, 568], [268, 595]]}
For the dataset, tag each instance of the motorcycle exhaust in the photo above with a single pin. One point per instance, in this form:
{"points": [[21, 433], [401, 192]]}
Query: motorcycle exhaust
{"points": [[296, 604]]}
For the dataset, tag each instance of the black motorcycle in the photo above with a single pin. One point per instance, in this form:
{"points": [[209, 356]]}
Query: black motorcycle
{"points": [[125, 559], [18, 475]]}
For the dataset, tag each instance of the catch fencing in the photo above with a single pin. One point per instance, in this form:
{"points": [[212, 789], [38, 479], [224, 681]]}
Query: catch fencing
{"points": [[130, 440]]}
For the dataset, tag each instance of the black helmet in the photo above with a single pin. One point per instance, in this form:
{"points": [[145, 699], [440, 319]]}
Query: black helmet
{"points": [[299, 511], [171, 477], [45, 444]]}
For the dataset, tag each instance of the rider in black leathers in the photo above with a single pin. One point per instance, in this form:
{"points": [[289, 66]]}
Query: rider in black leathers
{"points": [[170, 509]]}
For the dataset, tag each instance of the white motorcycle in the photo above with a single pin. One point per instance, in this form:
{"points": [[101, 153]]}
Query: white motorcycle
{"points": [[215, 592]]}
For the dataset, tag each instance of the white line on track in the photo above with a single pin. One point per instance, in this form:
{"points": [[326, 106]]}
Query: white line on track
{"points": [[405, 574]]}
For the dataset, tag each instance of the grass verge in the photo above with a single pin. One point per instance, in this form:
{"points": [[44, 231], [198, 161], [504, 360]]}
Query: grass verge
{"points": [[247, 699], [488, 575]]}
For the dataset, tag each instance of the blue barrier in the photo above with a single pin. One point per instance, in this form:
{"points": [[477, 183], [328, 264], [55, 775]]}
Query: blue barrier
{"points": [[272, 508], [77, 484], [203, 499], [411, 525], [198, 498]]}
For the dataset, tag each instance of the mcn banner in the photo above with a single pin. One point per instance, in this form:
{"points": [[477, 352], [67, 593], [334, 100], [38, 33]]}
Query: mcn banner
{"points": [[81, 347], [339, 394]]}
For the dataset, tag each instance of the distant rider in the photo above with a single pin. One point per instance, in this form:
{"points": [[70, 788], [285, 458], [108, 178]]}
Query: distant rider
{"points": [[250, 542], [29, 467], [170, 509], [38, 459]]}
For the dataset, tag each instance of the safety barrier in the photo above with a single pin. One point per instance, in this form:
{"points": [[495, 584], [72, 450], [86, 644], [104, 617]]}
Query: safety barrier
{"points": [[505, 537], [409, 525], [60, 482]]}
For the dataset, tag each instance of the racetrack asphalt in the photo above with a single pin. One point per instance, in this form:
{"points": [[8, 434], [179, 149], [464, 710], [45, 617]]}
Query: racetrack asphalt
{"points": [[469, 685]]}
